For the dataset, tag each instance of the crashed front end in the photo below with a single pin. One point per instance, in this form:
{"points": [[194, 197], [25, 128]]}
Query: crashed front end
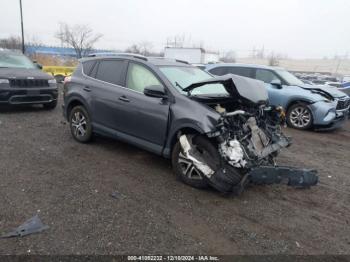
{"points": [[248, 137]]}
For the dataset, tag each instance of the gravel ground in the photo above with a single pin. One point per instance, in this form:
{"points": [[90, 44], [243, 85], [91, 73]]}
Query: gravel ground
{"points": [[44, 171]]}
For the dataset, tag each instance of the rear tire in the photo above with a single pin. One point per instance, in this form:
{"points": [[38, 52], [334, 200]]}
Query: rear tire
{"points": [[80, 124], [183, 167]]}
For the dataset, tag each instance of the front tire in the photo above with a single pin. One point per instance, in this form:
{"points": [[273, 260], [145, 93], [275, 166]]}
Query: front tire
{"points": [[80, 124], [186, 171], [299, 116]]}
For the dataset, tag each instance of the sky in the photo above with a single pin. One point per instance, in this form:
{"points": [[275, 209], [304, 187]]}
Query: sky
{"points": [[296, 28]]}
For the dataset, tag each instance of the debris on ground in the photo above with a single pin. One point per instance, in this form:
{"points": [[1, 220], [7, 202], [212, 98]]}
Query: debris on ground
{"points": [[31, 226], [117, 195]]}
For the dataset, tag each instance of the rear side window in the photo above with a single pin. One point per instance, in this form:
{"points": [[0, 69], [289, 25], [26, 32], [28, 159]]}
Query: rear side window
{"points": [[87, 67], [111, 71], [219, 71], [241, 71]]}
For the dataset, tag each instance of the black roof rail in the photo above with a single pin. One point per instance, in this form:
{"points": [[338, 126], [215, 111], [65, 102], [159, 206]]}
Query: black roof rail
{"points": [[119, 54], [182, 61], [165, 58]]}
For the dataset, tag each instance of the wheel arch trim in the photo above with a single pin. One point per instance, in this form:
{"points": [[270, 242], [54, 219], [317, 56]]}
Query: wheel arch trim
{"points": [[72, 100]]}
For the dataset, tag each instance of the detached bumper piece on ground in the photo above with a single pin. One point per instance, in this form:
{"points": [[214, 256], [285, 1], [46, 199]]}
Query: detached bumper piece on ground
{"points": [[31, 226], [266, 175]]}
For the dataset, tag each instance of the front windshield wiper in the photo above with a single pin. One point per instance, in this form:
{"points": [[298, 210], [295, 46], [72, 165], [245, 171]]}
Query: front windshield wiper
{"points": [[178, 85], [4, 67]]}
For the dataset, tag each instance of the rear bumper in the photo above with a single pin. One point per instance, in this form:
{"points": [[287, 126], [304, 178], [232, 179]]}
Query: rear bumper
{"points": [[22, 96]]}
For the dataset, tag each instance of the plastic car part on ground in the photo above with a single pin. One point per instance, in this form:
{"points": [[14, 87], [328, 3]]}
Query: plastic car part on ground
{"points": [[31, 226]]}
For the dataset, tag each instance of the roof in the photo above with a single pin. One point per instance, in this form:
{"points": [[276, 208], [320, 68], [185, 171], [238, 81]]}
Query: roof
{"points": [[210, 66], [157, 61], [167, 62]]}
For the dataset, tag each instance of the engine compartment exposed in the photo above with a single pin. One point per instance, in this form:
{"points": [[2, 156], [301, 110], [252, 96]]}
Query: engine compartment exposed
{"points": [[248, 137]]}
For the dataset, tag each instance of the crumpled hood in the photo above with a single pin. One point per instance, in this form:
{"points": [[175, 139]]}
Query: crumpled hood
{"points": [[23, 73], [251, 89], [332, 91]]}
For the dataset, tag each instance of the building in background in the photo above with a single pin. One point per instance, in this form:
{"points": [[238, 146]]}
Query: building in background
{"points": [[192, 55], [56, 51]]}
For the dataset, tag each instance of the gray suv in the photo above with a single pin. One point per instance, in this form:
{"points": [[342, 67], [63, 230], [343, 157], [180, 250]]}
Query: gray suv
{"points": [[218, 131]]}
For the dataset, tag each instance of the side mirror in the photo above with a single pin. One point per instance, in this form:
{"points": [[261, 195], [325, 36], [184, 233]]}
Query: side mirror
{"points": [[276, 83], [155, 91]]}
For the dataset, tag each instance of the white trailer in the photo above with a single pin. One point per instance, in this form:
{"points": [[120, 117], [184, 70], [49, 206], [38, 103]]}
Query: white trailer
{"points": [[191, 55]]}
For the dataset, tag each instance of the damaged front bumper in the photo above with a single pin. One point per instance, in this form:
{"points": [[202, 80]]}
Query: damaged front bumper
{"points": [[235, 174], [264, 175]]}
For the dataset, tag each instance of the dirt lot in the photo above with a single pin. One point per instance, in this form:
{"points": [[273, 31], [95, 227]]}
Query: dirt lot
{"points": [[43, 170]]}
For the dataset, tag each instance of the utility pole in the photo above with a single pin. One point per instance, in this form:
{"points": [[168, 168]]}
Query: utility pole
{"points": [[20, 6]]}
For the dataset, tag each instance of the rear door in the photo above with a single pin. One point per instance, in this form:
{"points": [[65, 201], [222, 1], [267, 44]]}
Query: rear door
{"points": [[107, 90], [147, 117]]}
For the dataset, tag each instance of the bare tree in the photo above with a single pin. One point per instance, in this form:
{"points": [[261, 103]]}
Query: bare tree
{"points": [[146, 48], [79, 37], [12, 42], [176, 41], [143, 48], [134, 49], [229, 57], [274, 59]]}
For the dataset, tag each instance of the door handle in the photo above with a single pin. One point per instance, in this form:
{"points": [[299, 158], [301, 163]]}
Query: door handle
{"points": [[124, 99], [87, 89]]}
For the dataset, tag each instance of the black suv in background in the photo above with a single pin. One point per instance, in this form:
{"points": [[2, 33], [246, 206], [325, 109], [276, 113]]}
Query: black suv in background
{"points": [[215, 129], [22, 82]]}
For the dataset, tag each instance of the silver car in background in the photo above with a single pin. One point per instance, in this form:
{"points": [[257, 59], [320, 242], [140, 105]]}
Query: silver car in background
{"points": [[306, 106]]}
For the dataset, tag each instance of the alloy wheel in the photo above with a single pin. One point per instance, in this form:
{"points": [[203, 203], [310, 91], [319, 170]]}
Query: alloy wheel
{"points": [[300, 117], [79, 124], [188, 169]]}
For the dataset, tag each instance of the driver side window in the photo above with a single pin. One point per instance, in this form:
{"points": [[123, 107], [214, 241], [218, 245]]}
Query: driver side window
{"points": [[140, 77], [265, 76]]}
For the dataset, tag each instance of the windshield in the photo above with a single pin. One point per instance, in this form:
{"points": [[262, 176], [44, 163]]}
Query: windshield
{"points": [[10, 60], [289, 78], [182, 77]]}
